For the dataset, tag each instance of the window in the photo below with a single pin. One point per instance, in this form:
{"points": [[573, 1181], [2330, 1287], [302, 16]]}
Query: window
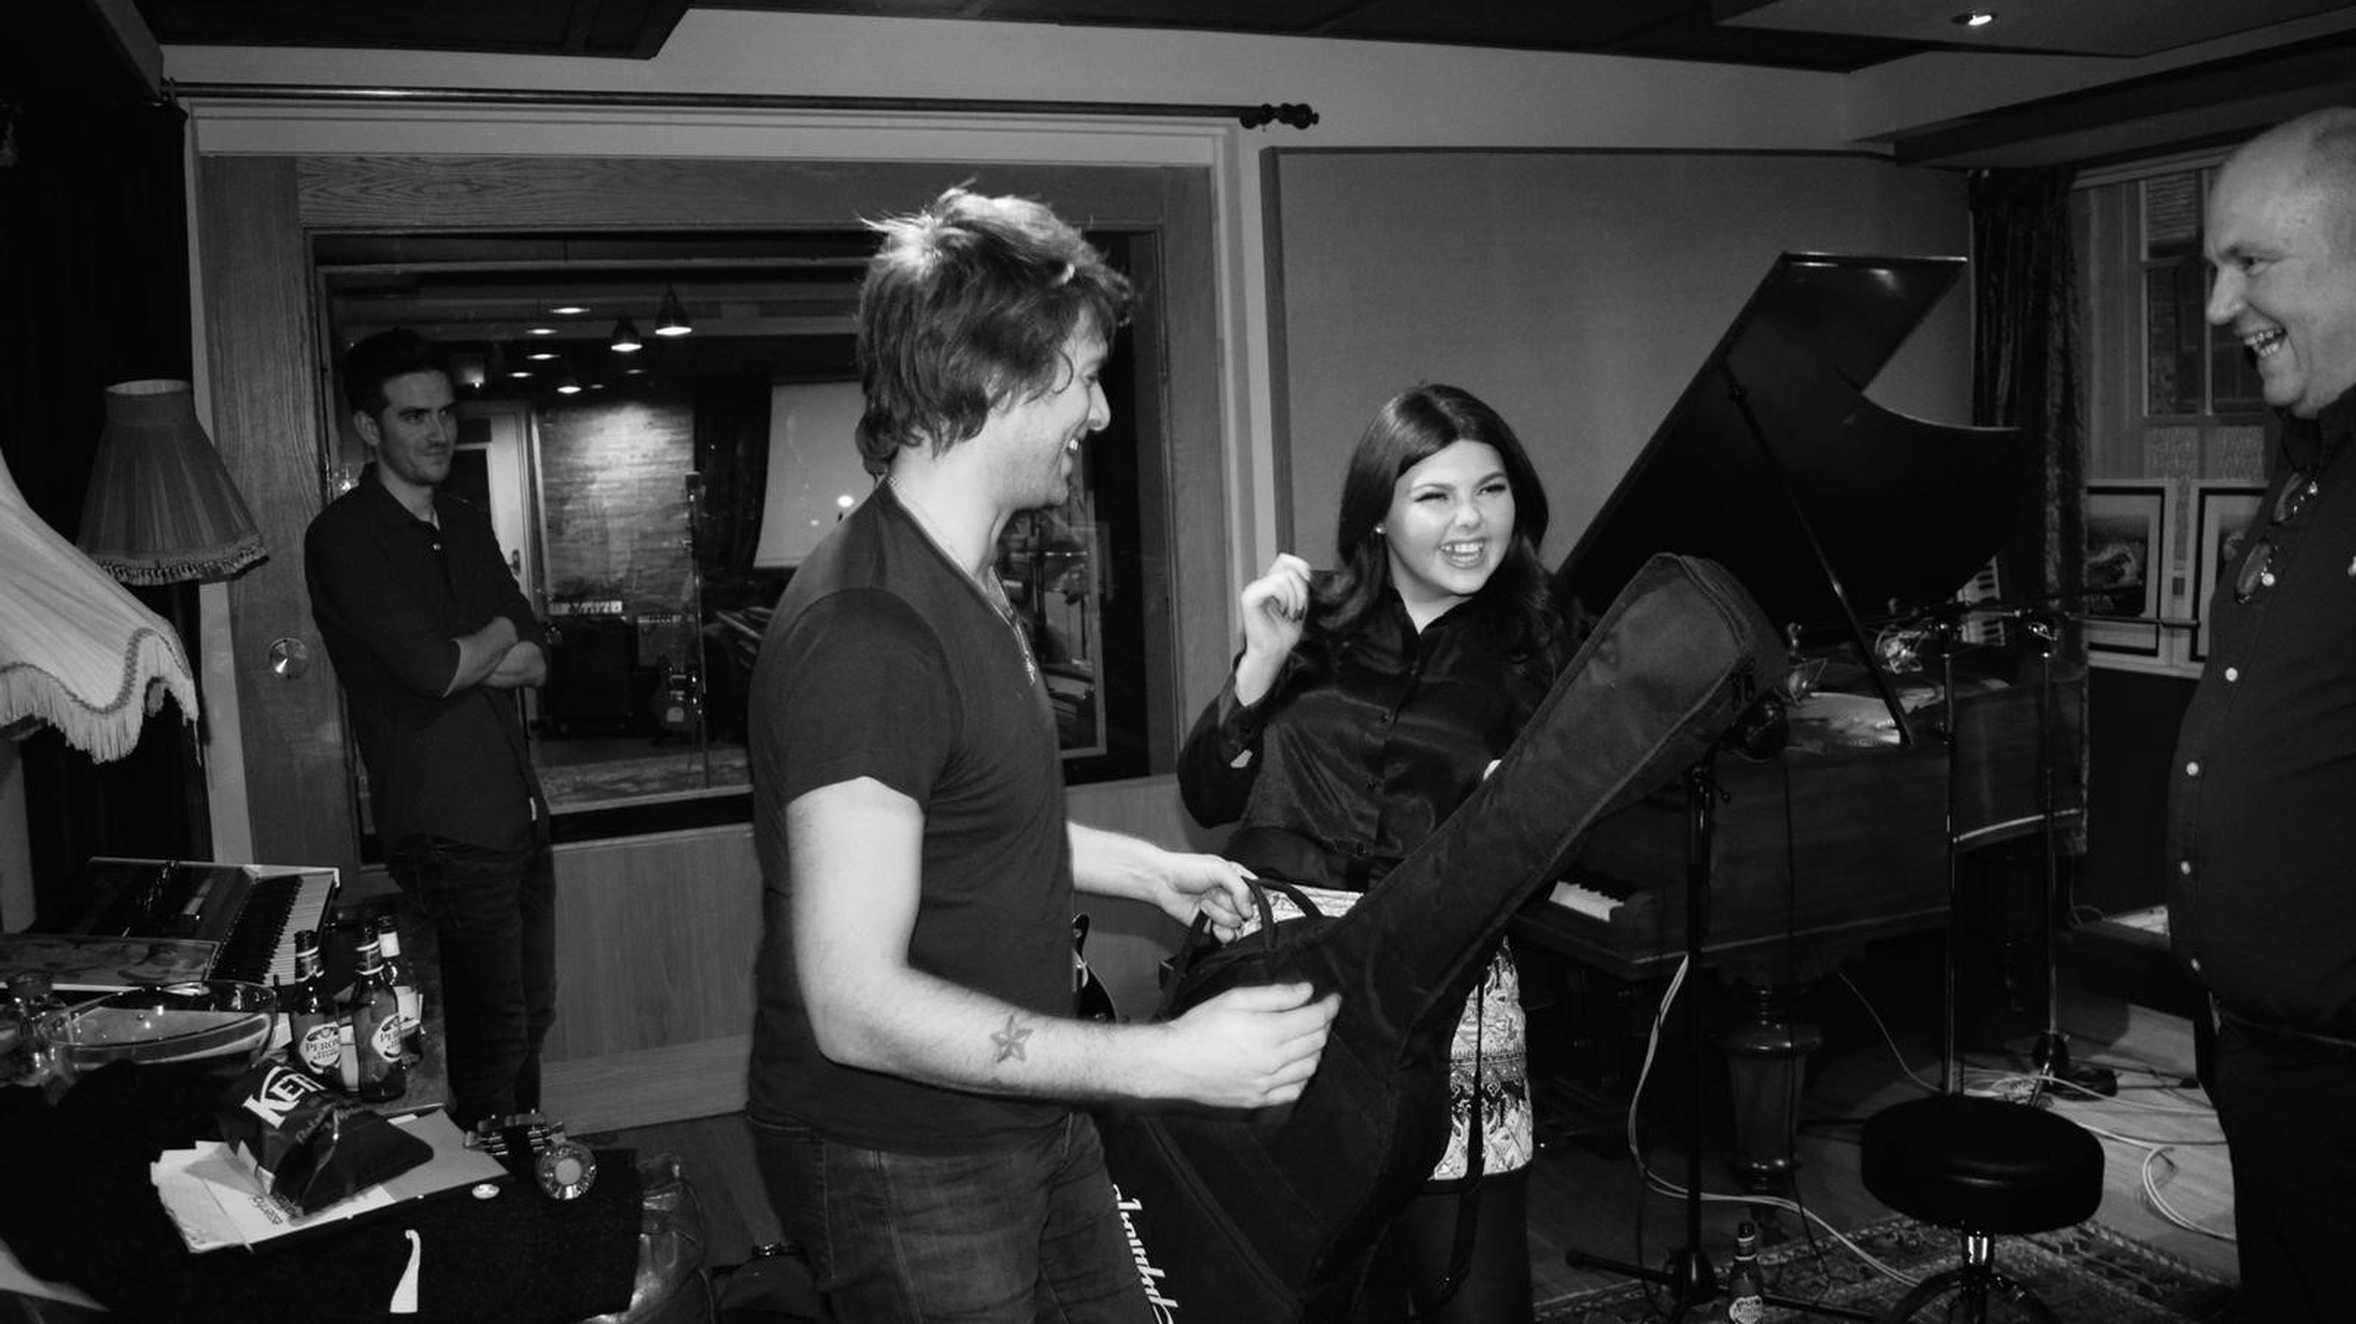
{"points": [[653, 504], [2167, 395]]}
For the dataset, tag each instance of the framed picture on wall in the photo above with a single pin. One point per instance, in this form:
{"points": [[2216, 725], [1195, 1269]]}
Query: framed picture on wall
{"points": [[2130, 530], [2225, 513]]}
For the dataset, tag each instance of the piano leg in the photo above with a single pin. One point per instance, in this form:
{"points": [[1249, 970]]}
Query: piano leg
{"points": [[1766, 1066]]}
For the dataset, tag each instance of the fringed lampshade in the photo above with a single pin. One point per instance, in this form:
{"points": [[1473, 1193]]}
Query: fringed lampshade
{"points": [[161, 508], [77, 651]]}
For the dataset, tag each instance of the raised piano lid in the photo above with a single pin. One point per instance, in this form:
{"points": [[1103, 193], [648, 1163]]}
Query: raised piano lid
{"points": [[1832, 509]]}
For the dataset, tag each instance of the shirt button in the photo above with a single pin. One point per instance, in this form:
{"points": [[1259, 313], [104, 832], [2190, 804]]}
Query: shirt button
{"points": [[2232, 674], [2193, 769], [2196, 965], [2184, 867]]}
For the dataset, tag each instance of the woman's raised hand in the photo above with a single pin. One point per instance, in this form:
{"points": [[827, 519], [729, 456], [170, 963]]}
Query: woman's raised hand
{"points": [[1274, 606]]}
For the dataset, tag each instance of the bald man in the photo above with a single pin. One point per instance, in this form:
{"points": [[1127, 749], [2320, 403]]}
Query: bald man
{"points": [[2262, 797]]}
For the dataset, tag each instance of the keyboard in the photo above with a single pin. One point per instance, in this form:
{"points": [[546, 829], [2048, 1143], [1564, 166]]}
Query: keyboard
{"points": [[251, 911]]}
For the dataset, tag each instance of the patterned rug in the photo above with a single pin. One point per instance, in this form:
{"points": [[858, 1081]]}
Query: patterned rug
{"points": [[2085, 1275]]}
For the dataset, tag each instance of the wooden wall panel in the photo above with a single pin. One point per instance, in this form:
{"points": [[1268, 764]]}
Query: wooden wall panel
{"points": [[654, 941], [267, 420]]}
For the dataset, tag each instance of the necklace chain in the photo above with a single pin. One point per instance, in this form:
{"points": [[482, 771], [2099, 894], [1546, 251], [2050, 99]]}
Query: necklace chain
{"points": [[986, 584]]}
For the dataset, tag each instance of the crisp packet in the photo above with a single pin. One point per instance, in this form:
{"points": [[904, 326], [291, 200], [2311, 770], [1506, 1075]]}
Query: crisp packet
{"points": [[306, 1146]]}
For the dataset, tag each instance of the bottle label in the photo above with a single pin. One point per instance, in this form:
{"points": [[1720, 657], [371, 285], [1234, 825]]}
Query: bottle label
{"points": [[385, 1039], [1746, 1310], [320, 1045], [412, 1008]]}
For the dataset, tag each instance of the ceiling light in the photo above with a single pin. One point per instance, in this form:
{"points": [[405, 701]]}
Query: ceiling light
{"points": [[672, 320], [516, 367], [540, 353], [625, 339], [569, 309], [1974, 18], [568, 384]]}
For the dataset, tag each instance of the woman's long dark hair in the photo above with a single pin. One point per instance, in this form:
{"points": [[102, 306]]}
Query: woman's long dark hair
{"points": [[1410, 428]]}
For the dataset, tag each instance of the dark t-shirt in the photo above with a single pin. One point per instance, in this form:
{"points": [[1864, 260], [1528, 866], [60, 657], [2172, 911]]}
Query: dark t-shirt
{"points": [[884, 660], [2262, 793], [390, 594]]}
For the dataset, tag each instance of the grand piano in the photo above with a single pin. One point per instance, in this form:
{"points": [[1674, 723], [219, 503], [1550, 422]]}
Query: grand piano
{"points": [[1856, 528]]}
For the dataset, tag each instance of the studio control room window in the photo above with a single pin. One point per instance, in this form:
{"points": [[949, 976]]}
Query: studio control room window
{"points": [[653, 503]]}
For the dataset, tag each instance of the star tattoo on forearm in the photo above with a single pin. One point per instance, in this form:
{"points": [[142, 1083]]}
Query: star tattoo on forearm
{"points": [[1010, 1041]]}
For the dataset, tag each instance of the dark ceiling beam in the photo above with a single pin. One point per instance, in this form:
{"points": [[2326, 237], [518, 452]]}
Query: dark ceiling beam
{"points": [[2179, 110], [1251, 117], [614, 29], [95, 51]]}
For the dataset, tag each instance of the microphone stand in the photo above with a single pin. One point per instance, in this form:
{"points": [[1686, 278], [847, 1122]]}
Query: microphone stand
{"points": [[2051, 1053], [1689, 1275]]}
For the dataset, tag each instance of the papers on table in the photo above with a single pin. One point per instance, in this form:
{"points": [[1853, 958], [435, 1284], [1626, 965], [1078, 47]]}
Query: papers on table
{"points": [[212, 1198]]}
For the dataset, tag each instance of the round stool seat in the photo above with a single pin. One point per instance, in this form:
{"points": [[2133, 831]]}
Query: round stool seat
{"points": [[1982, 1165]]}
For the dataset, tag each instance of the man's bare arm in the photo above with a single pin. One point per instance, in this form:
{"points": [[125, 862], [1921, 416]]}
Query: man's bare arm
{"points": [[855, 849]]}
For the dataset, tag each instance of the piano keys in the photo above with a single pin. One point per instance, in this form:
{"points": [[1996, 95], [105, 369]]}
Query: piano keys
{"points": [[251, 912]]}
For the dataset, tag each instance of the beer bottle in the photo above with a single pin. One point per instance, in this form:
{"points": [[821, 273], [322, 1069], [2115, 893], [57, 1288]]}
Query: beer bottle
{"points": [[1745, 1295], [313, 1030], [405, 988], [376, 1028]]}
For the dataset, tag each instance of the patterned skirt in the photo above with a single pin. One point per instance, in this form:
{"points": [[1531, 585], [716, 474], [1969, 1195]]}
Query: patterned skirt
{"points": [[1489, 1060]]}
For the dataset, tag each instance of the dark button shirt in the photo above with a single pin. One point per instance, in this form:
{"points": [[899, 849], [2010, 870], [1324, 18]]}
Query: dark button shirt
{"points": [[1361, 746], [2262, 793], [391, 595]]}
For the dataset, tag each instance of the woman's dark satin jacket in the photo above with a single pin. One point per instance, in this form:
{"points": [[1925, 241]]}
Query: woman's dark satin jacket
{"points": [[1363, 745]]}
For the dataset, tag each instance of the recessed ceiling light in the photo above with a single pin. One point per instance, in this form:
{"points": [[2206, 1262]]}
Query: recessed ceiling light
{"points": [[569, 309], [1974, 18]]}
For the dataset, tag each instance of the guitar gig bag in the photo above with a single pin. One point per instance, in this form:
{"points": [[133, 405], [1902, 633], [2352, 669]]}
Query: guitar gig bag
{"points": [[1274, 1214]]}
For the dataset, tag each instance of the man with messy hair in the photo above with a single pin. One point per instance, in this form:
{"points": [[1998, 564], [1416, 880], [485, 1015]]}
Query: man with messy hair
{"points": [[916, 1063]]}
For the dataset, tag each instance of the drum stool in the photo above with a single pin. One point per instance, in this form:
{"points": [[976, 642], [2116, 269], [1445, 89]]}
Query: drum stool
{"points": [[1983, 1167]]}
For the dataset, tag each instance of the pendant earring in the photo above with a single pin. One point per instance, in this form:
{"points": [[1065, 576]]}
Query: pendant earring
{"points": [[1378, 530]]}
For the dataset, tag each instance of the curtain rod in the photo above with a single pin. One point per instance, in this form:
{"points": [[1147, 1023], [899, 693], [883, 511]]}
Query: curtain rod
{"points": [[1251, 117]]}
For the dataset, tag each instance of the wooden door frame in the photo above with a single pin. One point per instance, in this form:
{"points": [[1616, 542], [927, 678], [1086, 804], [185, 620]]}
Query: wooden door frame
{"points": [[272, 390]]}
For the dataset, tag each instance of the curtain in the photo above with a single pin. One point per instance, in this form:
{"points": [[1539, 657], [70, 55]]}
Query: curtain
{"points": [[2025, 374], [732, 453], [2025, 365], [94, 290]]}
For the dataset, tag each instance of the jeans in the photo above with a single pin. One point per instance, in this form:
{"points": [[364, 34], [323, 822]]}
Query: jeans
{"points": [[494, 918], [1017, 1234]]}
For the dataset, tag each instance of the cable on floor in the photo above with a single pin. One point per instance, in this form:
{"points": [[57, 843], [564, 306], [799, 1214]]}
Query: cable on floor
{"points": [[1666, 1187]]}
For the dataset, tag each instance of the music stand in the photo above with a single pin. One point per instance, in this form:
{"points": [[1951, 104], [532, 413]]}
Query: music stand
{"points": [[1774, 464]]}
